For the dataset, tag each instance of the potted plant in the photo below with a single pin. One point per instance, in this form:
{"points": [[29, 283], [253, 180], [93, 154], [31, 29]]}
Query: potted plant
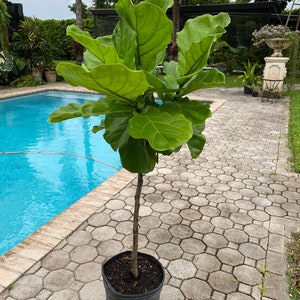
{"points": [[248, 76], [137, 125], [31, 43], [50, 72], [277, 37]]}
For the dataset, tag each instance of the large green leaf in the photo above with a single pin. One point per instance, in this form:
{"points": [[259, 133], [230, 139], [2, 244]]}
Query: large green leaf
{"points": [[115, 80], [105, 106], [105, 53], [162, 130], [195, 111], [152, 29], [200, 80], [197, 142], [137, 156], [72, 110], [197, 39], [116, 129]]}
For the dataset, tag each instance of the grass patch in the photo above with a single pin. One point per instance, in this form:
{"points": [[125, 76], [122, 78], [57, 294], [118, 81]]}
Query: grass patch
{"points": [[293, 260], [294, 129]]}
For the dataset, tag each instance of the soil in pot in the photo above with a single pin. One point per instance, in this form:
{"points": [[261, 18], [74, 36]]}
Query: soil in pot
{"points": [[117, 271]]}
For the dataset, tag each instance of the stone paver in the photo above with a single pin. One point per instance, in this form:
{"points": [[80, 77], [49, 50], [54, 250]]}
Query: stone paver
{"points": [[214, 222]]}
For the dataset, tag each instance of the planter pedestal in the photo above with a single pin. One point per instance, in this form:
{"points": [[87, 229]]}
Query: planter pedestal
{"points": [[275, 70]]}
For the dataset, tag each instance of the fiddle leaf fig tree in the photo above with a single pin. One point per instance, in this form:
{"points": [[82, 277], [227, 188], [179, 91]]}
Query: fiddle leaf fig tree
{"points": [[122, 67]]}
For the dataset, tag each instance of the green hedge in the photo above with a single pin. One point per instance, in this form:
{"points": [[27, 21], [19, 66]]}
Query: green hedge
{"points": [[294, 129]]}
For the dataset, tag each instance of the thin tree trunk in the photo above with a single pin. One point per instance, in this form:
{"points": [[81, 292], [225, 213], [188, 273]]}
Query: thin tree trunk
{"points": [[176, 24], [79, 23], [134, 267]]}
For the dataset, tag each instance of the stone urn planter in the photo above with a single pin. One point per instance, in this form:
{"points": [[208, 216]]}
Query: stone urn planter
{"points": [[278, 45], [50, 76]]}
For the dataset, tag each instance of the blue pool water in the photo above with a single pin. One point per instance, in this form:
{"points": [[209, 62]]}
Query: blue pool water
{"points": [[46, 167]]}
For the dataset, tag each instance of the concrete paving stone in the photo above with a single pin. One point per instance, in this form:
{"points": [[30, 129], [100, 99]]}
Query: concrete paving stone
{"points": [[257, 231], [79, 238], [276, 286], [230, 257], [170, 218], [247, 275], [236, 235], [223, 282], [27, 287], [227, 208], [233, 195], [276, 211], [58, 280], [202, 226], [190, 214], [252, 251], [276, 243], [153, 198], [161, 207], [248, 193], [244, 204], [182, 269], [171, 293], [215, 198], [127, 242], [159, 235], [64, 295], [124, 227], [115, 204], [238, 296], [222, 222], [93, 291], [169, 251], [275, 263], [179, 184], [205, 189], [206, 262], [196, 289], [214, 240], [259, 215], [88, 272], [145, 211], [192, 245], [109, 248], [120, 215], [150, 222], [83, 254], [98, 219], [210, 211], [103, 233], [181, 231], [241, 218], [56, 260], [292, 207]]}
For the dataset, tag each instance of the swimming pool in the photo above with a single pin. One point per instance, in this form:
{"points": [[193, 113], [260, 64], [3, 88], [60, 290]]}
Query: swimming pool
{"points": [[46, 167]]}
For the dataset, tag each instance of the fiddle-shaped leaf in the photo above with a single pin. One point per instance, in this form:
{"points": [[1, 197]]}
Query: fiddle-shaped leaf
{"points": [[162, 130], [114, 80], [197, 40], [137, 156], [72, 110], [150, 28], [197, 142], [105, 53]]}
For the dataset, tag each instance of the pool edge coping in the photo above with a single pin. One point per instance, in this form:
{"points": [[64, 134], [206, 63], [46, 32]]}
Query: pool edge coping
{"points": [[25, 255]]}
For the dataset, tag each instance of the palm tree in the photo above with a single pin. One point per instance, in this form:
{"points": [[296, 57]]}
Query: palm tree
{"points": [[79, 23], [4, 20]]}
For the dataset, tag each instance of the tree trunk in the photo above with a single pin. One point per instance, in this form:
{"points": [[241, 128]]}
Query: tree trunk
{"points": [[176, 24], [134, 268], [79, 23]]}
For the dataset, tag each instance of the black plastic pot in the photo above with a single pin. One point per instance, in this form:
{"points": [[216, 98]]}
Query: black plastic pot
{"points": [[112, 294]]}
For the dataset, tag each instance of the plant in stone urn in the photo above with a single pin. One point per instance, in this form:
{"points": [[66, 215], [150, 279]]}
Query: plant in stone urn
{"points": [[122, 67], [277, 37]]}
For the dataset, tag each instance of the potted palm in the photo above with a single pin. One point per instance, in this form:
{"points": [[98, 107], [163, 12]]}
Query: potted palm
{"points": [[50, 72], [141, 128]]}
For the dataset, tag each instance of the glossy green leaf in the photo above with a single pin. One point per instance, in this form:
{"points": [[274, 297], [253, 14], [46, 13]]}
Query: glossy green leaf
{"points": [[162, 130], [106, 54], [115, 80], [116, 129], [137, 156], [197, 40], [152, 30], [195, 111], [197, 142], [105, 106], [72, 110]]}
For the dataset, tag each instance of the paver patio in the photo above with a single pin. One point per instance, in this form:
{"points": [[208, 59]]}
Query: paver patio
{"points": [[213, 222]]}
